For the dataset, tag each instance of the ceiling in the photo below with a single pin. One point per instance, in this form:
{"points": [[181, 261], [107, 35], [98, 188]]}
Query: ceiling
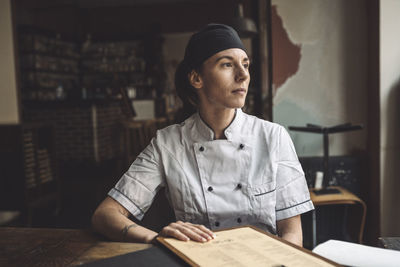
{"points": [[101, 3]]}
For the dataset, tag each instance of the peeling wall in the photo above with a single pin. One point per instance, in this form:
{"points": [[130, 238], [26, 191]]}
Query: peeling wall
{"points": [[320, 73], [286, 55]]}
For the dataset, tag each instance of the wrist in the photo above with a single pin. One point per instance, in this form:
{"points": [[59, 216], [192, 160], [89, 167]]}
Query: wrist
{"points": [[150, 238]]}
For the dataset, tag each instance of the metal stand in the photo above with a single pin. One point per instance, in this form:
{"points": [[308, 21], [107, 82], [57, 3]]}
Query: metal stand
{"points": [[312, 128]]}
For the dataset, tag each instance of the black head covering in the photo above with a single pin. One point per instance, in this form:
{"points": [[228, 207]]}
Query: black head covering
{"points": [[210, 40]]}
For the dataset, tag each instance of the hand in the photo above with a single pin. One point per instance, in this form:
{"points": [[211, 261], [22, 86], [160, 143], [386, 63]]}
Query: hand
{"points": [[186, 231]]}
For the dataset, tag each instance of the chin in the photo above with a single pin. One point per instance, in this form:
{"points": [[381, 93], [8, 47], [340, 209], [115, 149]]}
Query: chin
{"points": [[237, 105]]}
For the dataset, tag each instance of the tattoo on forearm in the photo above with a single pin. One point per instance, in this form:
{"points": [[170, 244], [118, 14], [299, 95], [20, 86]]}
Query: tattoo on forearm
{"points": [[126, 229]]}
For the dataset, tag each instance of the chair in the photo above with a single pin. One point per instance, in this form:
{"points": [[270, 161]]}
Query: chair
{"points": [[343, 198], [137, 134], [132, 140]]}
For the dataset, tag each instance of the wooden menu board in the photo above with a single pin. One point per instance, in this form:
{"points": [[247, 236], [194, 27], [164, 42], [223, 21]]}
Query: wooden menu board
{"points": [[244, 246]]}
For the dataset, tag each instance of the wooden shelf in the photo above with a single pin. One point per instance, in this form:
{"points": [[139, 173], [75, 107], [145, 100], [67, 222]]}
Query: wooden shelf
{"points": [[69, 73], [43, 54]]}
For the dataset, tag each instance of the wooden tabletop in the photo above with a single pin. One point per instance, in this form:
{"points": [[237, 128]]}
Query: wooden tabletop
{"points": [[345, 197], [57, 247]]}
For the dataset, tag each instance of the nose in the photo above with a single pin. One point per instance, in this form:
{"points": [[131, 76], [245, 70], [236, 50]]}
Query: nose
{"points": [[242, 74]]}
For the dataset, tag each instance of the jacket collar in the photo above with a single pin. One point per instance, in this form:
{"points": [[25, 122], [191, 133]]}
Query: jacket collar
{"points": [[207, 134]]}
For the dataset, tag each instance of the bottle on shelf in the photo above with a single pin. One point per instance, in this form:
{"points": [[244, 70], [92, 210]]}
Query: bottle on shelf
{"points": [[60, 94]]}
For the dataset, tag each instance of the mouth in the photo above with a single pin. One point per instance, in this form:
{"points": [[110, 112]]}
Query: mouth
{"points": [[240, 91]]}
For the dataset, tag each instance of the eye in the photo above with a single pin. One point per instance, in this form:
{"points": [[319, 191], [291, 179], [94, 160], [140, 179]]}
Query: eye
{"points": [[227, 64], [246, 65]]}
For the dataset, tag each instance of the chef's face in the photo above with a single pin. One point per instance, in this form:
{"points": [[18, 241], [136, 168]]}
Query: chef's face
{"points": [[223, 80]]}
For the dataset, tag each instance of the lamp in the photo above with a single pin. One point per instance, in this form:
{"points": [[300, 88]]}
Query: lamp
{"points": [[245, 27]]}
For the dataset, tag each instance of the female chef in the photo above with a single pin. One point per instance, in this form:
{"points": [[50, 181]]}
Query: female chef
{"points": [[220, 167]]}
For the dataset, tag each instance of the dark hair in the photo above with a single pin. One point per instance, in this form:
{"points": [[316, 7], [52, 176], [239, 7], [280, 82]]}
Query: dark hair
{"points": [[186, 92]]}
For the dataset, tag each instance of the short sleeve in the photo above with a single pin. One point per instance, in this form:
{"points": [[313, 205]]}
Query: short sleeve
{"points": [[292, 195], [139, 185]]}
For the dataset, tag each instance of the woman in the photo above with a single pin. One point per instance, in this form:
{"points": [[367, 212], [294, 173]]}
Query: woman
{"points": [[220, 167]]}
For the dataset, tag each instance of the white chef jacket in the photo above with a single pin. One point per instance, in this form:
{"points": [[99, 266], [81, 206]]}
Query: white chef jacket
{"points": [[252, 177]]}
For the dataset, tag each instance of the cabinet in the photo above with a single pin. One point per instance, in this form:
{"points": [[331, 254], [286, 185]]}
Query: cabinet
{"points": [[134, 66], [28, 181], [54, 69], [49, 67]]}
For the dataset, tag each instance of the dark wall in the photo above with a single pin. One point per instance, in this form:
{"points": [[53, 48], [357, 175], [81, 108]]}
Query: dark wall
{"points": [[113, 22]]}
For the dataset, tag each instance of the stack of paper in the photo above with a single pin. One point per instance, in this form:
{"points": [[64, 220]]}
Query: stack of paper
{"points": [[352, 254]]}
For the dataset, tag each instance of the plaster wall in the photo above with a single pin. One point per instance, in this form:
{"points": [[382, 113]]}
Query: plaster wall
{"points": [[8, 88], [390, 119], [329, 85]]}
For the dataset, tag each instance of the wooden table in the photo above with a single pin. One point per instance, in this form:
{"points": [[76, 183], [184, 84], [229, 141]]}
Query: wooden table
{"points": [[57, 247]]}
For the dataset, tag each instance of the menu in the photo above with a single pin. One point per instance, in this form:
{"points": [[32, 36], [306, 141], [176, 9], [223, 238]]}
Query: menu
{"points": [[244, 246]]}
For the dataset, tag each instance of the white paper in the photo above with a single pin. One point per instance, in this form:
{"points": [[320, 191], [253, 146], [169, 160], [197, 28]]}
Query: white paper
{"points": [[145, 109], [352, 254]]}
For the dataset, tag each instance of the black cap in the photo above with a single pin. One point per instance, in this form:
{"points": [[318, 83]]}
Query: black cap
{"points": [[210, 40]]}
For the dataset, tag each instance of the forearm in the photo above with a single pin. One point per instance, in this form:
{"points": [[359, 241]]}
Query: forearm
{"points": [[111, 222], [294, 238], [290, 230], [111, 219]]}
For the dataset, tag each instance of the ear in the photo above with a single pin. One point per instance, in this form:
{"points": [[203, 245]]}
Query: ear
{"points": [[195, 79]]}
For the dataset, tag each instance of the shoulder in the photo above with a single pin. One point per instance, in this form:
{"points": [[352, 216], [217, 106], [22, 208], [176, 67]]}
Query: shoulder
{"points": [[267, 127], [174, 133], [168, 133]]}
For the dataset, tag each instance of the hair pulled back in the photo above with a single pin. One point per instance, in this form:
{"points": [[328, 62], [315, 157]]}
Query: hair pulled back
{"points": [[185, 91]]}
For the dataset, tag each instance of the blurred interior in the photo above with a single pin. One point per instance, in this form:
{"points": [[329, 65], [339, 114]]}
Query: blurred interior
{"points": [[94, 80]]}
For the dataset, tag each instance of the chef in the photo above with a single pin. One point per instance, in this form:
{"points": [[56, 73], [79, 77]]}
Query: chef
{"points": [[220, 167]]}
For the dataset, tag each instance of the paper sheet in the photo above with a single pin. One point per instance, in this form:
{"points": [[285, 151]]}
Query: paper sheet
{"points": [[352, 254], [245, 247]]}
